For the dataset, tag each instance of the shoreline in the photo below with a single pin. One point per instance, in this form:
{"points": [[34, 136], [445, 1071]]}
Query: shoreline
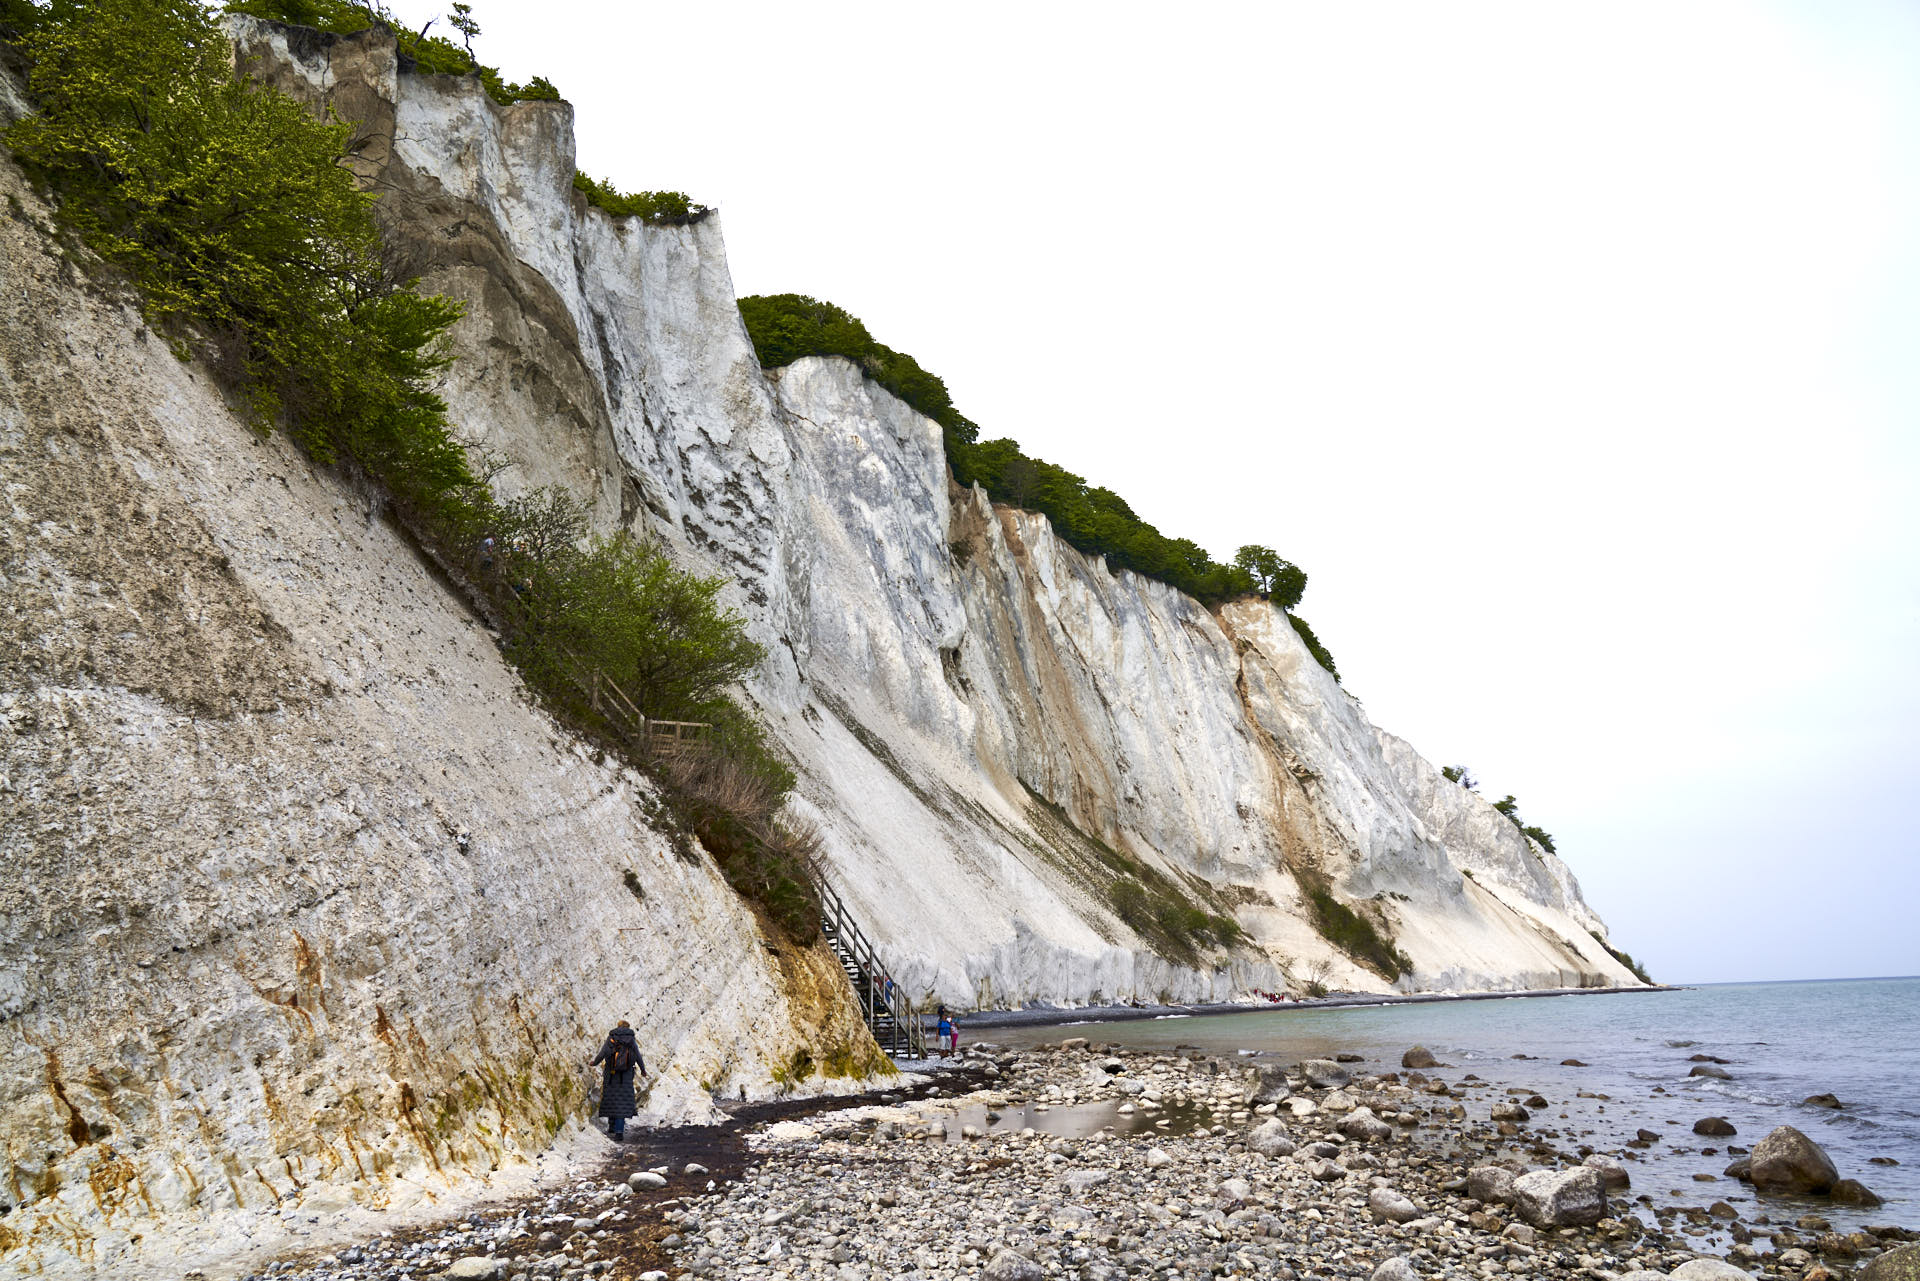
{"points": [[1055, 1016], [1099, 1162]]}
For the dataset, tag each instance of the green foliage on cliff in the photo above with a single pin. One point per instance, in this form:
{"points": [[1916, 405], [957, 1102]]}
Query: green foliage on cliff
{"points": [[1314, 647], [1355, 935], [1510, 807], [434, 55], [1167, 919], [251, 246], [1097, 521], [654, 206], [1626, 959]]}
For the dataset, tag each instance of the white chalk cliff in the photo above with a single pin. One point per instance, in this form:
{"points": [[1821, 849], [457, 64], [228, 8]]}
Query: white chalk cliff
{"points": [[303, 903]]}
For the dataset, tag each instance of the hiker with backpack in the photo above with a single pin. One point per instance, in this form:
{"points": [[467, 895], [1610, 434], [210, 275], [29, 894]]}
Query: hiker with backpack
{"points": [[621, 1054]]}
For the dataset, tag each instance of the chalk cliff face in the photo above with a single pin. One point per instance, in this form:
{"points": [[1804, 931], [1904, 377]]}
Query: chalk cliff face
{"points": [[303, 904], [990, 728]]}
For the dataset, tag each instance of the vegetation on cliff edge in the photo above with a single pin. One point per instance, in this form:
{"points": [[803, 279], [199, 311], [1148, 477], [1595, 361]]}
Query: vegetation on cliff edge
{"points": [[1097, 521], [434, 55]]}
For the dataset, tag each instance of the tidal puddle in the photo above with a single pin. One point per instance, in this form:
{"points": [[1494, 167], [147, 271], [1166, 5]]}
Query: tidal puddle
{"points": [[1080, 1120]]}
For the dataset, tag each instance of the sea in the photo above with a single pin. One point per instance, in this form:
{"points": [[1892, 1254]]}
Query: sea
{"points": [[1856, 1039]]}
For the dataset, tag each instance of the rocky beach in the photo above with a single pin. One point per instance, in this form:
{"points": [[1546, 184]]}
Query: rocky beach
{"points": [[1086, 1160]]}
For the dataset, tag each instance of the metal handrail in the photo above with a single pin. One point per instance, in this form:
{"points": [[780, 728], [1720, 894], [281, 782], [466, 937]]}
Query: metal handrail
{"points": [[848, 935]]}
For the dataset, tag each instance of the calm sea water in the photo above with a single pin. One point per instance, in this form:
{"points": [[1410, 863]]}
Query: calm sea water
{"points": [[1856, 1039]]}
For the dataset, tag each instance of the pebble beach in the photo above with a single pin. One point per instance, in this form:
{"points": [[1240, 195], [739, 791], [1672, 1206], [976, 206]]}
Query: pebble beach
{"points": [[1079, 1159]]}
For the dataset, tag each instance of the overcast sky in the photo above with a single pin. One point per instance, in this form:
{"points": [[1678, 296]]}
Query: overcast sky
{"points": [[1570, 348]]}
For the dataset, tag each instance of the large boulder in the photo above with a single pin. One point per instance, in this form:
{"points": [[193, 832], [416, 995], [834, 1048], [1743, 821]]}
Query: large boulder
{"points": [[1492, 1184], [1902, 1264], [475, 1268], [1561, 1198], [1389, 1206], [1612, 1173], [1362, 1124], [1272, 1086], [1709, 1270], [1419, 1057], [1270, 1138], [1788, 1161], [1008, 1266], [1325, 1074], [1854, 1192]]}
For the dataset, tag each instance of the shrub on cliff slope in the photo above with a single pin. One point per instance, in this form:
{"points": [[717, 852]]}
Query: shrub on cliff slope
{"points": [[250, 244], [1355, 935], [1314, 647]]}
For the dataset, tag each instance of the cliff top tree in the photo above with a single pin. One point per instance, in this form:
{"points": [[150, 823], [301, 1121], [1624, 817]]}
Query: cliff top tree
{"points": [[1280, 581]]}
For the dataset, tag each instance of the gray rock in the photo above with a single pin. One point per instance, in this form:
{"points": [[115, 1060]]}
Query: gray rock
{"points": [[1612, 1173], [1273, 1087], [1641, 1274], [1362, 1124], [1399, 1268], [1788, 1161], [1157, 1159], [1419, 1057], [1900, 1264], [476, 1268], [1008, 1266], [1270, 1138], [1561, 1198], [1492, 1184], [1717, 1073], [646, 1179], [1326, 1171], [1854, 1192], [1325, 1074], [1389, 1206], [1709, 1270], [1715, 1127], [1509, 1112]]}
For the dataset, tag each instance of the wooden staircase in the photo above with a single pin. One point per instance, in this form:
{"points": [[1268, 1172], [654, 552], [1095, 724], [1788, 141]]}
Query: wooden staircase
{"points": [[890, 1016]]}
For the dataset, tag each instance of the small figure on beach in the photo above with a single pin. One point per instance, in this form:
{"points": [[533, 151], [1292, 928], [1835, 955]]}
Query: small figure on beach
{"points": [[621, 1055], [948, 1034]]}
